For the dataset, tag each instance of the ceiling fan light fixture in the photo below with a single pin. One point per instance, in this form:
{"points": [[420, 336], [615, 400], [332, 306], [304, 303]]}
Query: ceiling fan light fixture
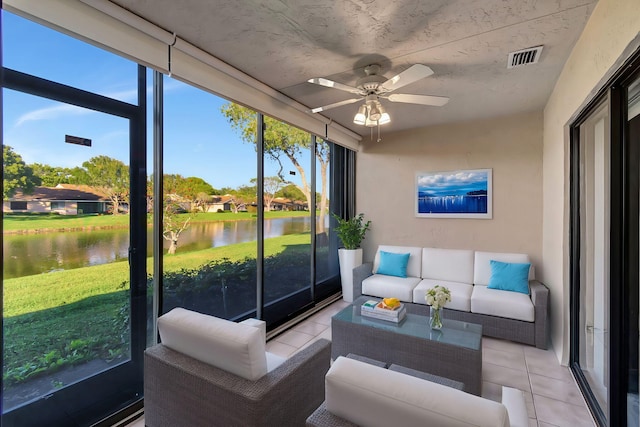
{"points": [[370, 123], [361, 116], [374, 112], [384, 119]]}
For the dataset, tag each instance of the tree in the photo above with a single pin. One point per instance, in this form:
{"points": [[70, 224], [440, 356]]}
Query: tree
{"points": [[16, 174], [173, 225], [281, 139], [111, 176], [242, 196], [54, 175], [195, 191], [270, 185], [290, 192]]}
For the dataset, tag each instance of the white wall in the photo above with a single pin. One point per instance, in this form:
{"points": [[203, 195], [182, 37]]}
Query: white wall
{"points": [[511, 146], [608, 38]]}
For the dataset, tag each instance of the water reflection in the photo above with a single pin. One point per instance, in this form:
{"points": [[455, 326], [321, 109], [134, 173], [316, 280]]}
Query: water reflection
{"points": [[29, 254]]}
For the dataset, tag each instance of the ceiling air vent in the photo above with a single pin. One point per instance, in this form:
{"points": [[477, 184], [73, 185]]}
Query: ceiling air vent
{"points": [[524, 57]]}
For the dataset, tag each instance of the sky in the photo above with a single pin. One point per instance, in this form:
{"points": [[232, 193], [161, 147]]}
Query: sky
{"points": [[452, 183], [198, 139]]}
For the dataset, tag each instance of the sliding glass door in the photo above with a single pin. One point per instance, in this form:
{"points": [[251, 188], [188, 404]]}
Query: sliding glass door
{"points": [[594, 154], [68, 299], [74, 232], [605, 255], [633, 316]]}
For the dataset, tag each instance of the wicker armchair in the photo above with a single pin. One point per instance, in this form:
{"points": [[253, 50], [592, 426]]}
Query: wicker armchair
{"points": [[182, 391]]}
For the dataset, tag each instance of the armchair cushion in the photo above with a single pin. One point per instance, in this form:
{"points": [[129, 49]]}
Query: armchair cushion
{"points": [[233, 347], [372, 396]]}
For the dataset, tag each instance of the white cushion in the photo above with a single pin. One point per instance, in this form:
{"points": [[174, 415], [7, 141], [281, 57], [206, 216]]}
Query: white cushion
{"points": [[460, 293], [227, 345], [415, 258], [257, 323], [372, 396], [482, 265], [454, 265], [494, 302], [273, 361], [513, 400], [380, 285]]}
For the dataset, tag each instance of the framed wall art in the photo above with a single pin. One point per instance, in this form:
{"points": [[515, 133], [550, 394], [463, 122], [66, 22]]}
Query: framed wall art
{"points": [[454, 194]]}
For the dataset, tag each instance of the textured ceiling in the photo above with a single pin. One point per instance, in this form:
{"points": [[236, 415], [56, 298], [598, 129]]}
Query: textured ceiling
{"points": [[465, 42]]}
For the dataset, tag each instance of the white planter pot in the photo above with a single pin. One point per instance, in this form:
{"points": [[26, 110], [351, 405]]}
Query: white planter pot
{"points": [[349, 259]]}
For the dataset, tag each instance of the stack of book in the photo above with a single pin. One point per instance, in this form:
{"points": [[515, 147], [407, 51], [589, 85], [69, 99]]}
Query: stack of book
{"points": [[379, 310]]}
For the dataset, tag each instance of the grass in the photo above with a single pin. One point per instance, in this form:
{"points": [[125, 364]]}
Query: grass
{"points": [[54, 222], [67, 317], [44, 291]]}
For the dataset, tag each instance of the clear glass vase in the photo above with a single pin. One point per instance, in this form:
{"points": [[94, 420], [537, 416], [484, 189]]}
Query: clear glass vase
{"points": [[436, 318]]}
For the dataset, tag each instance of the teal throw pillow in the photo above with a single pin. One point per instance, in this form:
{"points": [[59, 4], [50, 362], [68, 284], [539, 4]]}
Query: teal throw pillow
{"points": [[392, 264], [512, 277]]}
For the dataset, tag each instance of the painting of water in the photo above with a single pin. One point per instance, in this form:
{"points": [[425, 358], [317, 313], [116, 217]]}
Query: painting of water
{"points": [[454, 194]]}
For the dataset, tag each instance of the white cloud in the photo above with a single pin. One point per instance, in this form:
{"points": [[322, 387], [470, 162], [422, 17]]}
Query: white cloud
{"points": [[50, 113], [59, 110], [449, 179]]}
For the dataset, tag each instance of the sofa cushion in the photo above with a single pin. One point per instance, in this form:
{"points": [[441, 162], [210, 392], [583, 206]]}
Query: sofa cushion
{"points": [[227, 345], [509, 276], [454, 265], [371, 396], [415, 258], [380, 285], [482, 267], [392, 264], [460, 293], [511, 305]]}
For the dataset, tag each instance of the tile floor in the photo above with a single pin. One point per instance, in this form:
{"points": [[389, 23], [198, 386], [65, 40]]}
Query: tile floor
{"points": [[553, 399]]}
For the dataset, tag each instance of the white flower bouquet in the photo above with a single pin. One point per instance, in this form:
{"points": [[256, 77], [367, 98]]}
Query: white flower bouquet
{"points": [[438, 296]]}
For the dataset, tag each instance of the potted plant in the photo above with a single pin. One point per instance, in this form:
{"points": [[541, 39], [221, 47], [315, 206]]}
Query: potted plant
{"points": [[351, 232]]}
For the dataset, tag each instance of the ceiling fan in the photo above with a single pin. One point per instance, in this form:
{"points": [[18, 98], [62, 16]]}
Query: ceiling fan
{"points": [[373, 87]]}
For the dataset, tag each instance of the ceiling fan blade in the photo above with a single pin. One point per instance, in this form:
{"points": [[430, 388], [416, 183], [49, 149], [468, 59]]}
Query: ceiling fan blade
{"points": [[334, 105], [436, 101], [330, 83], [410, 75]]}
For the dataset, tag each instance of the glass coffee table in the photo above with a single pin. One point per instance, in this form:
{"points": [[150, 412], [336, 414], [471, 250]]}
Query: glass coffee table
{"points": [[453, 352]]}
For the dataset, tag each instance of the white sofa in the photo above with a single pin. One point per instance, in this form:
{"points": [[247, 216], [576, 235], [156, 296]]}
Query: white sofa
{"points": [[360, 394], [503, 314]]}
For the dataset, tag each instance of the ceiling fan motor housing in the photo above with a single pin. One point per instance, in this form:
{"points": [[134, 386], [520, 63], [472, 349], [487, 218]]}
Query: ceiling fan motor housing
{"points": [[370, 83]]}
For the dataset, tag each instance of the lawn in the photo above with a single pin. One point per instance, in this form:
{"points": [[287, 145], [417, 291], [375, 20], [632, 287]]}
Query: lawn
{"points": [[54, 222], [66, 317]]}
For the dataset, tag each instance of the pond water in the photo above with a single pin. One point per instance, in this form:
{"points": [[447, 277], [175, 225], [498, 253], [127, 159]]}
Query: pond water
{"points": [[28, 254]]}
